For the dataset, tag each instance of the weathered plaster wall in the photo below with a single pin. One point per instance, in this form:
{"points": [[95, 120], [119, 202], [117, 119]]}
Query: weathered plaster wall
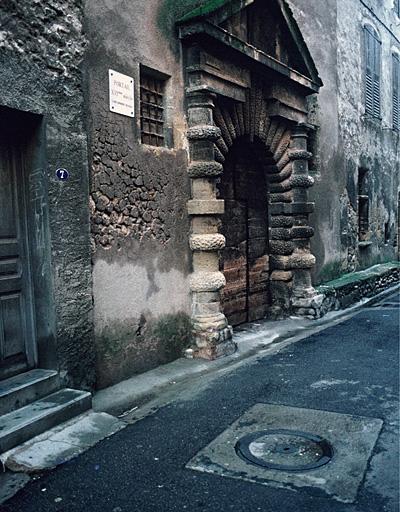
{"points": [[140, 226], [317, 22], [41, 51], [368, 143], [346, 139]]}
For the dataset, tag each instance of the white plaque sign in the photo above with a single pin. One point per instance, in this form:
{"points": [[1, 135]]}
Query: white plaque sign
{"points": [[122, 97]]}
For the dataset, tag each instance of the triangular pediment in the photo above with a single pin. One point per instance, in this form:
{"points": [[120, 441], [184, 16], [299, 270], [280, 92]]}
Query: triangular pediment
{"points": [[267, 26]]}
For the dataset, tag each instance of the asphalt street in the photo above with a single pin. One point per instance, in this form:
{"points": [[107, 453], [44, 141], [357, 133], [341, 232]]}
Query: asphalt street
{"points": [[350, 368]]}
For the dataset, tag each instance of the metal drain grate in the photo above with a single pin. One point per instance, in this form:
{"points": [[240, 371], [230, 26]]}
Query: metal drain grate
{"points": [[284, 450]]}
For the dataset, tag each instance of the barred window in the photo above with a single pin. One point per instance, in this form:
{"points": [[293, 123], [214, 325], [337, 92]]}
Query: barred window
{"points": [[396, 90], [363, 205], [372, 72], [152, 109]]}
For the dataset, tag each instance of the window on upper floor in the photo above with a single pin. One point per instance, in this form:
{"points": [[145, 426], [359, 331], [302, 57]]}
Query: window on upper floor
{"points": [[396, 90], [372, 72]]}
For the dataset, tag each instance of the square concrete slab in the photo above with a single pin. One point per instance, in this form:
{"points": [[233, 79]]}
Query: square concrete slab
{"points": [[277, 445]]}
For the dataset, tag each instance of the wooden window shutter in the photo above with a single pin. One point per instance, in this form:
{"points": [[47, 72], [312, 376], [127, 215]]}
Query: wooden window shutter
{"points": [[372, 73], [396, 87], [377, 78], [369, 87]]}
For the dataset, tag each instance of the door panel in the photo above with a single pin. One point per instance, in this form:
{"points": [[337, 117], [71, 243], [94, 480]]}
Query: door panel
{"points": [[245, 260], [17, 333]]}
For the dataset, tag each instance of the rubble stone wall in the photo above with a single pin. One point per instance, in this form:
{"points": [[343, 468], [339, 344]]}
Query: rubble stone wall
{"points": [[352, 288]]}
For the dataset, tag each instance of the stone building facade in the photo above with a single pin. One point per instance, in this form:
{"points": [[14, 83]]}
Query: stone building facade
{"points": [[45, 285], [177, 247], [357, 164], [194, 212]]}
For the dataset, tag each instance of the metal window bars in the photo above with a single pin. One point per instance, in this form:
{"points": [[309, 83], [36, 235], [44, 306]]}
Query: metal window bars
{"points": [[152, 110]]}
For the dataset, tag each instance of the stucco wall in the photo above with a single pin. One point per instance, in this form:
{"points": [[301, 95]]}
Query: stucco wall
{"points": [[140, 226], [41, 51], [346, 139]]}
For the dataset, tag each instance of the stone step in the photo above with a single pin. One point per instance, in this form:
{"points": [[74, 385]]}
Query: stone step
{"points": [[62, 443], [18, 426], [27, 387]]}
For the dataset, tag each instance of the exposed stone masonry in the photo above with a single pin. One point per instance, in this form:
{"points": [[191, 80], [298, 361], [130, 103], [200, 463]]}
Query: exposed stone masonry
{"points": [[125, 200], [351, 288]]}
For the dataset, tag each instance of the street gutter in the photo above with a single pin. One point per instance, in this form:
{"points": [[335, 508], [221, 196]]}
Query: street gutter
{"points": [[258, 338]]}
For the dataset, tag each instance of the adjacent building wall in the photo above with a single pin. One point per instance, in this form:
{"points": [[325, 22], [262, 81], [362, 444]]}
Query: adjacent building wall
{"points": [[347, 139], [140, 226], [41, 51]]}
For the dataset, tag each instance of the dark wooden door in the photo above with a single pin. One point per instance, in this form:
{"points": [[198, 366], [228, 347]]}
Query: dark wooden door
{"points": [[17, 332], [245, 259]]}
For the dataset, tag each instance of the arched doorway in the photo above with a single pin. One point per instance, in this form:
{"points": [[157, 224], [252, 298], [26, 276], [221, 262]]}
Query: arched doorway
{"points": [[245, 259]]}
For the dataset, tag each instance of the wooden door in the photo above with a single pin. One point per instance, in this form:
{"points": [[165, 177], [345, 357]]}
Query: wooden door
{"points": [[17, 332], [245, 259]]}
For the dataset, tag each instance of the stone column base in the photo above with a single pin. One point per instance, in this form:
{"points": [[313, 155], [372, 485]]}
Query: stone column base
{"points": [[308, 306], [212, 337]]}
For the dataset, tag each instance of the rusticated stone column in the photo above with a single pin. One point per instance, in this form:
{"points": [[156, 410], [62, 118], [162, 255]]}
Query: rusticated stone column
{"points": [[305, 300], [210, 327], [280, 244]]}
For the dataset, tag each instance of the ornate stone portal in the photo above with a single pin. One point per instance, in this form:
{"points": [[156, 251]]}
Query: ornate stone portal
{"points": [[226, 102]]}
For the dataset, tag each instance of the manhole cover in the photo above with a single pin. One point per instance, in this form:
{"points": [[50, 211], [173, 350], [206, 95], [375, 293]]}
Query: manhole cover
{"points": [[271, 428], [284, 450]]}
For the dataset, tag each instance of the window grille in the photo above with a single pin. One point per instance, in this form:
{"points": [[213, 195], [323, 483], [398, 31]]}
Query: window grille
{"points": [[152, 110], [372, 72], [396, 90], [363, 206]]}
